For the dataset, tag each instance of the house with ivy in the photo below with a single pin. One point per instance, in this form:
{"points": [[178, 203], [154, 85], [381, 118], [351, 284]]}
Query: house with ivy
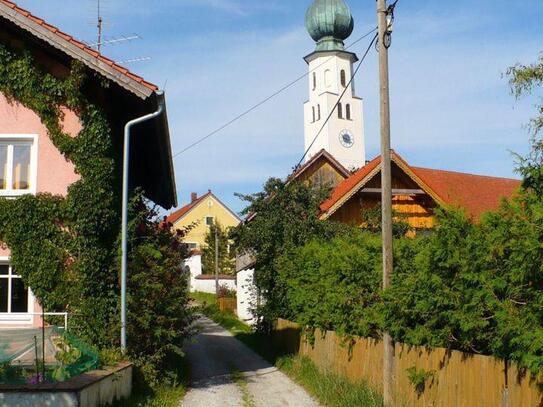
{"points": [[63, 108]]}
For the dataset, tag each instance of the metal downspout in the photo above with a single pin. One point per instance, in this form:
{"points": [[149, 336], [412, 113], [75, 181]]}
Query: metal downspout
{"points": [[124, 232]]}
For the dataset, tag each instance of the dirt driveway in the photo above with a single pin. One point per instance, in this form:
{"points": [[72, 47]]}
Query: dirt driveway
{"points": [[224, 372]]}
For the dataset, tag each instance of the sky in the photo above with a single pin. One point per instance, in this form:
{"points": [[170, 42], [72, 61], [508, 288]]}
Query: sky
{"points": [[451, 107]]}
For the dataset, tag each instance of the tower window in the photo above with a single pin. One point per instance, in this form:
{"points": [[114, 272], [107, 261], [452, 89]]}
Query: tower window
{"points": [[348, 111], [340, 111], [313, 109], [314, 81], [318, 112], [343, 78]]}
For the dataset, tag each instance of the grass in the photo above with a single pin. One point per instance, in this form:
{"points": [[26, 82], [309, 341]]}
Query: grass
{"points": [[164, 395], [329, 389], [241, 382]]}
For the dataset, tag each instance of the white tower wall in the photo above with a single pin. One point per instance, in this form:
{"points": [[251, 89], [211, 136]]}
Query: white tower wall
{"points": [[325, 88]]}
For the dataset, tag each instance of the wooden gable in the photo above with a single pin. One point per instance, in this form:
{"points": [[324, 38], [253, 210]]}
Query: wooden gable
{"points": [[409, 200], [322, 170]]}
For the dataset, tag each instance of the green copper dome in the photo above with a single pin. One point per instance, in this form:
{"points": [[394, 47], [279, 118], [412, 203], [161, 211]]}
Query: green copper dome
{"points": [[329, 22]]}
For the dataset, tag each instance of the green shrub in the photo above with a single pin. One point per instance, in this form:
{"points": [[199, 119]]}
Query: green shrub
{"points": [[334, 284], [159, 319]]}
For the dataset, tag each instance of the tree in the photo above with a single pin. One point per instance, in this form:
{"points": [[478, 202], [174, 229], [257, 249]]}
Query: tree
{"points": [[283, 216], [524, 79], [227, 261], [159, 318]]}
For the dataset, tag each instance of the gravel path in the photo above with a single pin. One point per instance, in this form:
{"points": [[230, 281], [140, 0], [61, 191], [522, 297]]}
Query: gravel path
{"points": [[224, 373]]}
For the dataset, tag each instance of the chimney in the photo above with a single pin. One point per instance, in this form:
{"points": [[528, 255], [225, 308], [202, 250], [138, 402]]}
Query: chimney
{"points": [[193, 197]]}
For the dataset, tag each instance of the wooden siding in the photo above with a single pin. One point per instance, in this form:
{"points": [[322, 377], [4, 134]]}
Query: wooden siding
{"points": [[417, 210], [321, 173], [459, 379]]}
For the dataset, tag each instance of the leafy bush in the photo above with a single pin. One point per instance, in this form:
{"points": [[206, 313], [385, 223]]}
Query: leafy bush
{"points": [[225, 292], [334, 285], [284, 216], [159, 318]]}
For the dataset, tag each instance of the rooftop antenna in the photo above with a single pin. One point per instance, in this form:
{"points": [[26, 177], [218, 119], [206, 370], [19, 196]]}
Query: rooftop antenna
{"points": [[100, 23], [103, 41]]}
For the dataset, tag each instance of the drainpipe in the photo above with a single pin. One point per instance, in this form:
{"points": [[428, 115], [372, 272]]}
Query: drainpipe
{"points": [[124, 232]]}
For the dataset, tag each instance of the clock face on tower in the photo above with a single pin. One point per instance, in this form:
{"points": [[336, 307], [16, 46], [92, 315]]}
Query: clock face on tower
{"points": [[346, 138]]}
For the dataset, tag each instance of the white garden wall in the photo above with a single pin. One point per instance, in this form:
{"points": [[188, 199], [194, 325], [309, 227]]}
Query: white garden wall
{"points": [[247, 296], [205, 283]]}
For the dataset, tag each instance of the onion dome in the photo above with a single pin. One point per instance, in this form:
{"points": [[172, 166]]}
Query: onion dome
{"points": [[329, 23]]}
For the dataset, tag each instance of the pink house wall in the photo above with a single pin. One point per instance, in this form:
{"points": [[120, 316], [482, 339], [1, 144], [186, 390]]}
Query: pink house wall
{"points": [[54, 172]]}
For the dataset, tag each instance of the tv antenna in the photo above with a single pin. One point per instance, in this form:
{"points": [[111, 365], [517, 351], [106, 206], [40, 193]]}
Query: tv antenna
{"points": [[100, 25], [103, 41]]}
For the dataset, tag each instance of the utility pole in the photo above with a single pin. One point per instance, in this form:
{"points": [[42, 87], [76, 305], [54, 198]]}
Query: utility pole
{"points": [[383, 18], [216, 261]]}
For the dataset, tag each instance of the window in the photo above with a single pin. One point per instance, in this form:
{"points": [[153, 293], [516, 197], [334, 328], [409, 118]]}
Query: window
{"points": [[314, 81], [348, 111], [340, 111], [343, 78], [191, 246], [13, 294], [209, 220], [17, 161], [318, 112]]}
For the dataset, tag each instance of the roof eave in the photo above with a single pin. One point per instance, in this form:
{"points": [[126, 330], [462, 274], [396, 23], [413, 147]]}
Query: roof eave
{"points": [[170, 200], [41, 32]]}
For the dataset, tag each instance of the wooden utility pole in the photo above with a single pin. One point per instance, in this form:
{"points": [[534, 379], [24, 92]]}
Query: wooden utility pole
{"points": [[386, 191], [216, 261]]}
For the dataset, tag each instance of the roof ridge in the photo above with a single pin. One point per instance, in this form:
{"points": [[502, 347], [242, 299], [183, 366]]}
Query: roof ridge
{"points": [[71, 39]]}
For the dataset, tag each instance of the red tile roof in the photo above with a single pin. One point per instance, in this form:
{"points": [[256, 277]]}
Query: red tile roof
{"points": [[175, 216], [79, 44], [346, 186], [475, 194]]}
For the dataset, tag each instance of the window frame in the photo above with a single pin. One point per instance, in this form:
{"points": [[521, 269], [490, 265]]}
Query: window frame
{"points": [[343, 78], [209, 217], [20, 139], [16, 317]]}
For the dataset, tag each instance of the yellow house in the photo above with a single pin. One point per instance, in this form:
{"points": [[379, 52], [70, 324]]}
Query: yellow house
{"points": [[202, 212]]}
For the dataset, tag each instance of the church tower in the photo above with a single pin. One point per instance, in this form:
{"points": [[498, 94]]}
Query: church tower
{"points": [[329, 23]]}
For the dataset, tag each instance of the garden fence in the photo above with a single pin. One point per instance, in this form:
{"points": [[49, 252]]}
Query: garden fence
{"points": [[453, 379]]}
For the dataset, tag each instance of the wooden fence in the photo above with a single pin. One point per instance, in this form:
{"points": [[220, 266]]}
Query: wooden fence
{"points": [[227, 304], [457, 379]]}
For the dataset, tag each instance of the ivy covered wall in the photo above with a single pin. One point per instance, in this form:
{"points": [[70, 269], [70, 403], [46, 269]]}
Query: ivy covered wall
{"points": [[64, 247]]}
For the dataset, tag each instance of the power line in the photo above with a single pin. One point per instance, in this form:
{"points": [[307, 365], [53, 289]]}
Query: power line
{"points": [[339, 100], [262, 102]]}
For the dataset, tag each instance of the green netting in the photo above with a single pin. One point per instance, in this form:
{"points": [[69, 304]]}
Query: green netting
{"points": [[23, 357]]}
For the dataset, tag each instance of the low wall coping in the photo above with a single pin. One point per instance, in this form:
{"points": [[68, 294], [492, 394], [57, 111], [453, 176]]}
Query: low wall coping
{"points": [[75, 384], [212, 277]]}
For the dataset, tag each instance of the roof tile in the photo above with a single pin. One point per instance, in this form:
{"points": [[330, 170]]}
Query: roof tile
{"points": [[476, 194], [79, 44]]}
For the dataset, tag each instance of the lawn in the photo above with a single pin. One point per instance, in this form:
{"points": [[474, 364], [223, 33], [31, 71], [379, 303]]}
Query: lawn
{"points": [[329, 389]]}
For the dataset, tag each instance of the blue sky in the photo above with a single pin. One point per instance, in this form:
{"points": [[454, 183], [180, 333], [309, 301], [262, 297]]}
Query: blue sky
{"points": [[451, 107]]}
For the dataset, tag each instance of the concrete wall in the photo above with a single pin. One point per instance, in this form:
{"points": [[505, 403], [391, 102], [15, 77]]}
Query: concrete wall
{"points": [[93, 389], [247, 296], [201, 283], [208, 285]]}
